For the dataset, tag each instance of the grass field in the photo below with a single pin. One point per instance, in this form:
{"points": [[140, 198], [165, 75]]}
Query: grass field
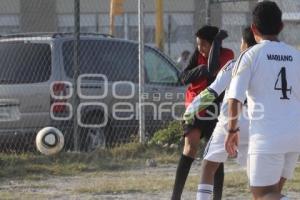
{"points": [[119, 173]]}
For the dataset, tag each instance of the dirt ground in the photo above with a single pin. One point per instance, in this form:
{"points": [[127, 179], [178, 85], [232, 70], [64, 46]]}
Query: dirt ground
{"points": [[70, 187]]}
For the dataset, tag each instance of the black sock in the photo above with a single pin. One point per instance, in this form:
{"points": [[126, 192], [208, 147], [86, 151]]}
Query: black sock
{"points": [[218, 182], [182, 172]]}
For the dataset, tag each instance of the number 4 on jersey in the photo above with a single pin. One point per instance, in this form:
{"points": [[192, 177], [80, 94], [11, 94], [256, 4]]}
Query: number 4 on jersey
{"points": [[284, 86]]}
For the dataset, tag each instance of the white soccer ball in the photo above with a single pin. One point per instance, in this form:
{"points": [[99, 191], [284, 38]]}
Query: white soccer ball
{"points": [[49, 141]]}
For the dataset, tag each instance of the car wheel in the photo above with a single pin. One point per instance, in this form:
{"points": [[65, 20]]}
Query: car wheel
{"points": [[94, 138]]}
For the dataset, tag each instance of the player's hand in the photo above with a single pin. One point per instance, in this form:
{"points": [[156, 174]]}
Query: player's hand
{"points": [[231, 143], [221, 35]]}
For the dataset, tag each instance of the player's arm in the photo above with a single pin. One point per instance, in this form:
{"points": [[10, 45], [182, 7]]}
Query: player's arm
{"points": [[232, 140], [192, 75], [236, 95], [206, 97], [193, 71], [214, 53]]}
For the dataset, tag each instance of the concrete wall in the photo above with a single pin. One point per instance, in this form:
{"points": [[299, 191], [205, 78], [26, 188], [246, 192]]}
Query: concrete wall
{"points": [[44, 15], [38, 15], [96, 6], [9, 6]]}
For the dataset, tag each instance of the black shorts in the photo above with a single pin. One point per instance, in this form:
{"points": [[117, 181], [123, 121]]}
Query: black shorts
{"points": [[206, 128]]}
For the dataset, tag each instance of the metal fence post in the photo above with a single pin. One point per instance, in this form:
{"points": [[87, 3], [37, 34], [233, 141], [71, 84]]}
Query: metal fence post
{"points": [[141, 71], [207, 14], [76, 71], [169, 34]]}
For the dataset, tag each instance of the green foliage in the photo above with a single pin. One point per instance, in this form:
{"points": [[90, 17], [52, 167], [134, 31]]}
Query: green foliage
{"points": [[170, 135]]}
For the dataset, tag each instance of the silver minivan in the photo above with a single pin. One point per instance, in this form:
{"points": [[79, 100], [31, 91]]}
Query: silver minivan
{"points": [[37, 89]]}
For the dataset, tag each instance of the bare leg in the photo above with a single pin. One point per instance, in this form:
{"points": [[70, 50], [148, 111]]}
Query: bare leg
{"points": [[210, 179], [208, 171], [191, 143], [267, 192], [281, 183]]}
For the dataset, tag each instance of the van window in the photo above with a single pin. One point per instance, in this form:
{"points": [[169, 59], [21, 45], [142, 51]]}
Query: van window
{"points": [[115, 59], [158, 69], [24, 62]]}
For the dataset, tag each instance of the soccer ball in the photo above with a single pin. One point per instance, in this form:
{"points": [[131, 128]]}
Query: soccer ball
{"points": [[49, 141]]}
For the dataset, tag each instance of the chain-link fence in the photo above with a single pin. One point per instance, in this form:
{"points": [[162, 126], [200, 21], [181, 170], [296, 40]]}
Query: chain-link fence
{"points": [[90, 93]]}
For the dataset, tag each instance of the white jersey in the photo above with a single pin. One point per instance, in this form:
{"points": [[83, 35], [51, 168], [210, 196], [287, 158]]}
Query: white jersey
{"points": [[215, 149], [270, 73], [220, 85]]}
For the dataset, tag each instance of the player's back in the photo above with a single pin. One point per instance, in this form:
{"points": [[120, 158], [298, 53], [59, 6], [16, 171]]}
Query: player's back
{"points": [[275, 88]]}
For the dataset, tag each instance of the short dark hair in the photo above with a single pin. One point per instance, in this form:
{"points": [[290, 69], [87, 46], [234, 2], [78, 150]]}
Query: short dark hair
{"points": [[207, 33], [248, 36], [267, 18]]}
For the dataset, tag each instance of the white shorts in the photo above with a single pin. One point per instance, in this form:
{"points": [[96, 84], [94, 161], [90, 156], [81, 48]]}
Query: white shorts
{"points": [[267, 169], [215, 149]]}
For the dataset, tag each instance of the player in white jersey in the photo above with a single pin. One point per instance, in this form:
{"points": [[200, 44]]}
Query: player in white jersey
{"points": [[215, 152], [270, 74]]}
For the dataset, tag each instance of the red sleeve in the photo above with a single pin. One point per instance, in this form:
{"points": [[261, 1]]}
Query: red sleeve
{"points": [[226, 55]]}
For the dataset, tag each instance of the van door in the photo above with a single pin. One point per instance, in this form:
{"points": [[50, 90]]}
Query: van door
{"points": [[108, 78], [163, 89], [25, 70]]}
